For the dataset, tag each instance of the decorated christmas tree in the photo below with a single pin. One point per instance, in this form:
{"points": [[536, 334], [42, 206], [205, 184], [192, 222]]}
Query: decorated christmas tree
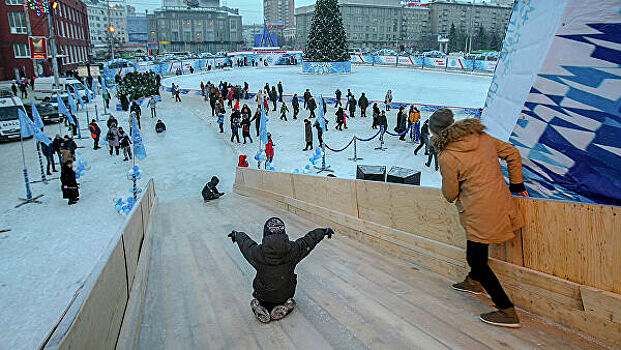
{"points": [[327, 41]]}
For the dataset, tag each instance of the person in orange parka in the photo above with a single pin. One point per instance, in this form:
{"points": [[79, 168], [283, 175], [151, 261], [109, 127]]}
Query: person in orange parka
{"points": [[269, 149], [95, 132], [473, 179]]}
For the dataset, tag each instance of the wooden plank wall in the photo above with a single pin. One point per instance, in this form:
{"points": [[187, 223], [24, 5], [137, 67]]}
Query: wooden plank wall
{"points": [[94, 317], [563, 265]]}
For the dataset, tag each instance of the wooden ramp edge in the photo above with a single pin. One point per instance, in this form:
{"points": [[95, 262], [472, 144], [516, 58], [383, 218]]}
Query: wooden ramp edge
{"points": [[93, 318], [564, 266]]}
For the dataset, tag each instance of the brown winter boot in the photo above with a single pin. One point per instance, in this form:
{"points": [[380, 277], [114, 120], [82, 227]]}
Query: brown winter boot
{"points": [[502, 318], [469, 286]]}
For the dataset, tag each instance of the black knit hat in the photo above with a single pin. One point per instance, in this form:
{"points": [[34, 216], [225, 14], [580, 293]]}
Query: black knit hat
{"points": [[273, 226], [440, 119]]}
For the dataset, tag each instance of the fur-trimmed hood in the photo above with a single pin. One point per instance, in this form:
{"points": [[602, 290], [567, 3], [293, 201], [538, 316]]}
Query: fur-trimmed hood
{"points": [[459, 131]]}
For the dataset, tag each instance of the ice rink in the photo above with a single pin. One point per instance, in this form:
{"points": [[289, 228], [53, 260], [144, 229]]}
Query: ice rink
{"points": [[408, 85]]}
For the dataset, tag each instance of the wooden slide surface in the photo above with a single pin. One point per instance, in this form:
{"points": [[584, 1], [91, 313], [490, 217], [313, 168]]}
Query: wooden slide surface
{"points": [[349, 296]]}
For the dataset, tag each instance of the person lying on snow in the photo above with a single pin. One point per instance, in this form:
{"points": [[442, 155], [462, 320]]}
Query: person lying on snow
{"points": [[275, 260], [210, 191]]}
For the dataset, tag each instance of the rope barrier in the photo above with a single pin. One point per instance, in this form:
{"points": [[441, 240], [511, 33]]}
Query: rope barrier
{"points": [[369, 139], [403, 133], [342, 149]]}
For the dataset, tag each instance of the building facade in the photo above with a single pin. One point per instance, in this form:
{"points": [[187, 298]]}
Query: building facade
{"points": [[101, 17], [191, 3], [196, 30], [469, 17], [137, 29], [376, 24], [279, 12], [372, 24], [70, 22]]}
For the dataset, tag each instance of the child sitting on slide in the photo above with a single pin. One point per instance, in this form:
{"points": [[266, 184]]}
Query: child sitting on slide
{"points": [[275, 260]]}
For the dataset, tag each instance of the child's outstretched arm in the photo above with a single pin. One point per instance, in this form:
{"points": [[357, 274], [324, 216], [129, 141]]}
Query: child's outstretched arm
{"points": [[247, 245], [304, 245]]}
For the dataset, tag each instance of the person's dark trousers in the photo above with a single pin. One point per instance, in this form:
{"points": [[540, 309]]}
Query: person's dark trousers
{"points": [[283, 116], [74, 129], [153, 113], [420, 145], [257, 126], [274, 104], [108, 103], [60, 158], [221, 128], [213, 108], [96, 143], [320, 138], [338, 103], [339, 126], [50, 161], [312, 114], [235, 135], [280, 97], [435, 158], [177, 99], [247, 136], [305, 104], [309, 146], [476, 255], [295, 113], [363, 112]]}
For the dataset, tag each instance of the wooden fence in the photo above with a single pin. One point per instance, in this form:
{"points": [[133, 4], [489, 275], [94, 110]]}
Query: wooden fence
{"points": [[93, 318], [565, 265]]}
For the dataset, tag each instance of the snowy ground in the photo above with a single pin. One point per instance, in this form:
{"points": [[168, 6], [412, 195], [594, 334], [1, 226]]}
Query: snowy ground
{"points": [[51, 247]]}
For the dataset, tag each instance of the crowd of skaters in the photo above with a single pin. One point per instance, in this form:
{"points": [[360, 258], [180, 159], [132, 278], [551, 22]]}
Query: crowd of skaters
{"points": [[228, 95]]}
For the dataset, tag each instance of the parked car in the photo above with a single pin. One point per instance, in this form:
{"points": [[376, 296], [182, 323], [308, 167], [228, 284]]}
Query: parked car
{"points": [[434, 54], [47, 110]]}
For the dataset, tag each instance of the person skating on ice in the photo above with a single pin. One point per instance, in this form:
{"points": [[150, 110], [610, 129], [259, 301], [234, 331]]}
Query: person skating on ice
{"points": [[296, 106], [283, 111], [473, 179], [363, 103], [308, 135], [388, 100], [275, 260]]}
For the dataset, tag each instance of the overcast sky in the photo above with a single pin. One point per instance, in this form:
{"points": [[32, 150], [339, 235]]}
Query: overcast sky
{"points": [[251, 10]]}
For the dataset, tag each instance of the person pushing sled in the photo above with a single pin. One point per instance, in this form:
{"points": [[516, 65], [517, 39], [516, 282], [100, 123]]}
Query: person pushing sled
{"points": [[275, 260]]}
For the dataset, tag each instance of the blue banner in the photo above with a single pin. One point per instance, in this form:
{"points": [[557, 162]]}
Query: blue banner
{"points": [[28, 128], [72, 105], [62, 109], [88, 94], [25, 124], [321, 119], [36, 117], [77, 96], [94, 87], [263, 125], [139, 151]]}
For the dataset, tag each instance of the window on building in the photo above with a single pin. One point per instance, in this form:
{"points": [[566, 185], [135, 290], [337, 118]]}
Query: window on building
{"points": [[17, 22], [14, 2], [21, 50]]}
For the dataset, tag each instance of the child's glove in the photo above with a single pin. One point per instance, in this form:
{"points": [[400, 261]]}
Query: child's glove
{"points": [[233, 235], [328, 232]]}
